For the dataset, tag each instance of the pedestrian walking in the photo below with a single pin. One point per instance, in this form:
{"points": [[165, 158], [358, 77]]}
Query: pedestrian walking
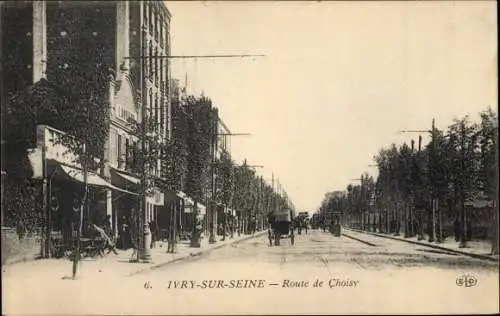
{"points": [[134, 235], [154, 234], [270, 234], [20, 228], [124, 234]]}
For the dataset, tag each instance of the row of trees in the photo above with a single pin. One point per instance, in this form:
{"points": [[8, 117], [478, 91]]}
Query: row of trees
{"points": [[186, 160], [421, 190], [195, 169]]}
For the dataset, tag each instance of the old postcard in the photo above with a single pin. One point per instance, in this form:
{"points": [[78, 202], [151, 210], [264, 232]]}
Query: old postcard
{"points": [[249, 158]]}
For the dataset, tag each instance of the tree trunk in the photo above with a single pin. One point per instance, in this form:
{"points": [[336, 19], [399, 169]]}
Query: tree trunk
{"points": [[398, 220], [405, 220]]}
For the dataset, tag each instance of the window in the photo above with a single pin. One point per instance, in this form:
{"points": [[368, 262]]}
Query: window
{"points": [[150, 11], [161, 30], [151, 61], [156, 109], [112, 147], [162, 113], [119, 151], [157, 70], [128, 153], [161, 72], [150, 105]]}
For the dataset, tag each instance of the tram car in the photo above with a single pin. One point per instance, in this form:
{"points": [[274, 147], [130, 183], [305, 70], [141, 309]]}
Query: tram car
{"points": [[315, 221], [302, 222], [281, 226]]}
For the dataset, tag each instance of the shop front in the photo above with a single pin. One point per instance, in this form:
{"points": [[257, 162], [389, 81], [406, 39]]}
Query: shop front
{"points": [[194, 213], [66, 192]]}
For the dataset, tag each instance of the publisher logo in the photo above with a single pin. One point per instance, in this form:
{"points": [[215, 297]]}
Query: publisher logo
{"points": [[466, 280]]}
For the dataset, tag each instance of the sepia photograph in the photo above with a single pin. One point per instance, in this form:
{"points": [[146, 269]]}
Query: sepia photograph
{"points": [[249, 157]]}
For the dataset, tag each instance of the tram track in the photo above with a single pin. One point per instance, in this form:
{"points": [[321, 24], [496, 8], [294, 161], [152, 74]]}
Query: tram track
{"points": [[360, 240]]}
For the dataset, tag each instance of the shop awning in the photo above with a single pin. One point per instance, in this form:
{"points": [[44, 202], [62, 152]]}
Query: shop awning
{"points": [[92, 178], [131, 179], [121, 178], [202, 210], [172, 195]]}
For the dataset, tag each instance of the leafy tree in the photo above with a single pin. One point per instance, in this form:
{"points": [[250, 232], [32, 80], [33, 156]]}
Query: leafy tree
{"points": [[72, 99], [224, 179], [199, 147], [178, 151]]}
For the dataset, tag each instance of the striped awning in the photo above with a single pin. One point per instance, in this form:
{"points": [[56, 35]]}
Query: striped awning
{"points": [[92, 178]]}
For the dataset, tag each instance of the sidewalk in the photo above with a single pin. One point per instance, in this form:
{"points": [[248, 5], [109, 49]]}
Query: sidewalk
{"points": [[476, 248], [114, 265]]}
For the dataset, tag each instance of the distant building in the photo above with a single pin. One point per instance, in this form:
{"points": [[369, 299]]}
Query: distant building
{"points": [[223, 138]]}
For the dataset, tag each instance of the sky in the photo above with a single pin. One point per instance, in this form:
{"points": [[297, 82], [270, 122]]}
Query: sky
{"points": [[338, 79]]}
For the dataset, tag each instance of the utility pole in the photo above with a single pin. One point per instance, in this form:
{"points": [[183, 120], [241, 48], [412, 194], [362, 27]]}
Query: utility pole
{"points": [[494, 243], [213, 204], [273, 196], [433, 236], [143, 251], [143, 227], [463, 235], [45, 244], [433, 196], [419, 196]]}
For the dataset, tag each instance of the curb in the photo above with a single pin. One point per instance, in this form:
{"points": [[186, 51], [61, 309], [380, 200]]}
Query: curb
{"points": [[473, 255], [195, 254]]}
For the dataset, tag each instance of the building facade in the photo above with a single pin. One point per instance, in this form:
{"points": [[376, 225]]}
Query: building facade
{"points": [[140, 90], [41, 38]]}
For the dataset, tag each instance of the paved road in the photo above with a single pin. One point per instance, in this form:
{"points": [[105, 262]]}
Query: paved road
{"points": [[383, 276]]}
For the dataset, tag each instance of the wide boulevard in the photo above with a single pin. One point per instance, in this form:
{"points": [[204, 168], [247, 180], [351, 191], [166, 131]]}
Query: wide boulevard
{"points": [[321, 273]]}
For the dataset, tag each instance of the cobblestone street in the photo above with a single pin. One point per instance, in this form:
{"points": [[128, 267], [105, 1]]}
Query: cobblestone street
{"points": [[350, 270]]}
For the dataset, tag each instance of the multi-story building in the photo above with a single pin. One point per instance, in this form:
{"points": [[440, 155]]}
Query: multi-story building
{"points": [[40, 38], [22, 58], [141, 88]]}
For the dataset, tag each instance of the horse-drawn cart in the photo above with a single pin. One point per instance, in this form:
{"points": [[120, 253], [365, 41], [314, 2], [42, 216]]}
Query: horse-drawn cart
{"points": [[280, 226]]}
